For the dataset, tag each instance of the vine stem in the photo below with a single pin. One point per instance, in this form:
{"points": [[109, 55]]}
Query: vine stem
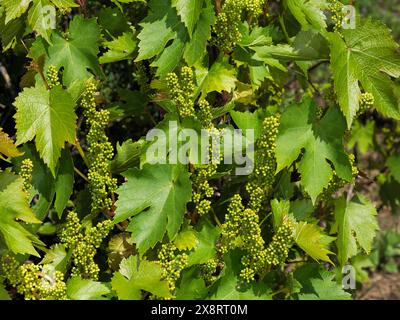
{"points": [[265, 219], [81, 174], [218, 6], [216, 219], [81, 152], [284, 29]]}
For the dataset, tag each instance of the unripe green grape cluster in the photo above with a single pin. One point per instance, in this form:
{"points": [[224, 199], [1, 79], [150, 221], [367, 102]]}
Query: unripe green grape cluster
{"points": [[231, 228], [254, 245], [261, 181], [202, 190], [229, 19], [53, 78], [32, 281], [278, 249], [84, 245], [336, 183], [26, 174], [209, 270], [242, 230], [336, 8], [100, 152], [172, 263], [366, 102], [275, 94], [205, 114], [181, 90]]}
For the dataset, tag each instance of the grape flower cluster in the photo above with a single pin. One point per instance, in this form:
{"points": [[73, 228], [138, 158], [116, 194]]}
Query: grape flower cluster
{"points": [[336, 8], [53, 79], [84, 244], [181, 90], [172, 263], [242, 230], [366, 102], [262, 179], [227, 26], [32, 281], [26, 174], [336, 183], [100, 152]]}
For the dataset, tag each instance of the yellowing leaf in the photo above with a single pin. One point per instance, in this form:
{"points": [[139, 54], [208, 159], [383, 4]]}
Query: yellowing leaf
{"points": [[220, 77], [186, 240], [313, 241], [7, 146]]}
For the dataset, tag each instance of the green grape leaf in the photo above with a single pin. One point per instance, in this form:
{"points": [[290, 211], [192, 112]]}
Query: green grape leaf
{"points": [[362, 135], [171, 56], [367, 55], [249, 120], [128, 156], [10, 32], [7, 146], [15, 8], [328, 289], [78, 52], [301, 209], [4, 293], [393, 163], [86, 289], [156, 197], [14, 205], [220, 77], [207, 237], [318, 283], [39, 19], [48, 115], [43, 182], [321, 140], [157, 29], [191, 286], [113, 21], [64, 183], [309, 13], [189, 11], [231, 287], [280, 209], [132, 103], [196, 47], [65, 4], [57, 258], [186, 240], [135, 276], [313, 241], [121, 48], [355, 223]]}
